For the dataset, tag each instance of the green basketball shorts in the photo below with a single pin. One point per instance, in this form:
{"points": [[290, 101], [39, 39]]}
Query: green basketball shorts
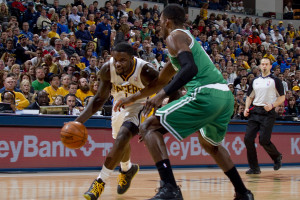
{"points": [[207, 109]]}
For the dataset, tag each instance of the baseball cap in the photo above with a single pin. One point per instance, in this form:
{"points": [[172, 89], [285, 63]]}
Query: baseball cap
{"points": [[22, 36], [30, 4], [106, 17], [145, 25], [289, 60], [280, 22], [76, 73], [98, 11], [296, 88]]}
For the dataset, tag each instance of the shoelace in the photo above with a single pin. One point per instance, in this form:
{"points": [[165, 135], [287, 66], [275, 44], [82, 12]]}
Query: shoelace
{"points": [[97, 188], [121, 179]]}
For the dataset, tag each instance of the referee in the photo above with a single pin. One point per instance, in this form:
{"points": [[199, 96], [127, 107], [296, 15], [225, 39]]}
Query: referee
{"points": [[265, 93]]}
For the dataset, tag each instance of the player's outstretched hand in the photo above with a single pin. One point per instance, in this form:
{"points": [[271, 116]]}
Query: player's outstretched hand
{"points": [[154, 103], [121, 103]]}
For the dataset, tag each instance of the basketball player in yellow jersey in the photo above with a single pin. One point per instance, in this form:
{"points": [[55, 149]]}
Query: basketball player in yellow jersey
{"points": [[122, 76]]}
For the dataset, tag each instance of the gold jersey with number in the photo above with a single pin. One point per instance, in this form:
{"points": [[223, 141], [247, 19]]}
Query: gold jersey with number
{"points": [[123, 87]]}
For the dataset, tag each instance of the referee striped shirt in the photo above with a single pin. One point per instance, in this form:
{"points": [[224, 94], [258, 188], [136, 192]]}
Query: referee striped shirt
{"points": [[265, 90]]}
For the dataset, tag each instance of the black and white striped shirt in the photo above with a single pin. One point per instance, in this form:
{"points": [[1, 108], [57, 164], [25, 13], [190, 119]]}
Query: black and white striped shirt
{"points": [[265, 90]]}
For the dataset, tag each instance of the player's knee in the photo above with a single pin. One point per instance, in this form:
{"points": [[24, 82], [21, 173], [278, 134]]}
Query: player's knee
{"points": [[122, 139], [212, 150]]}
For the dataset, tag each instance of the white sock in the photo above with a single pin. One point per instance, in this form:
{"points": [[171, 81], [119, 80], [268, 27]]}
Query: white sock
{"points": [[125, 166], [105, 174]]}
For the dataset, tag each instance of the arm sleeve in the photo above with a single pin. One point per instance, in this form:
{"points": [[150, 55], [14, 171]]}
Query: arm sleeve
{"points": [[279, 86], [188, 71]]}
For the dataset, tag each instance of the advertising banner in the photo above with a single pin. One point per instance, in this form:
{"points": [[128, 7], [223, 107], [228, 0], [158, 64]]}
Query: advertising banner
{"points": [[31, 147]]}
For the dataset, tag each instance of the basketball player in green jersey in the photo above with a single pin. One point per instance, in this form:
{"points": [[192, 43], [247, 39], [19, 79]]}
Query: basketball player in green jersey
{"points": [[206, 108]]}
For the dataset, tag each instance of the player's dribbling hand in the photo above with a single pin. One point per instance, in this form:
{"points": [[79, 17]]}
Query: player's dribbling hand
{"points": [[154, 103], [246, 112], [121, 103]]}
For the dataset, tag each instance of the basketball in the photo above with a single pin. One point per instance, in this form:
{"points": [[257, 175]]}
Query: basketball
{"points": [[73, 135]]}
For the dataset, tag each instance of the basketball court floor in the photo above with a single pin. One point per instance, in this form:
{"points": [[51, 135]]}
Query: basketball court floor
{"points": [[208, 184]]}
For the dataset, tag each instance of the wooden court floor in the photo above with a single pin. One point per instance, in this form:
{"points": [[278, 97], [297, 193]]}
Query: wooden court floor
{"points": [[208, 184]]}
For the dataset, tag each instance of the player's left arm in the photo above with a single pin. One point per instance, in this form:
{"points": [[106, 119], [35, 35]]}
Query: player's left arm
{"points": [[178, 45]]}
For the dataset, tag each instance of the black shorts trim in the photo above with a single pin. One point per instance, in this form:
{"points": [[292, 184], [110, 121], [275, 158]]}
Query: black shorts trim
{"points": [[162, 130], [132, 127]]}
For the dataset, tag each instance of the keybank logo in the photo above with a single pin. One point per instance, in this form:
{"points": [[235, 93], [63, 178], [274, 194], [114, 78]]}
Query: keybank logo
{"points": [[31, 147]]}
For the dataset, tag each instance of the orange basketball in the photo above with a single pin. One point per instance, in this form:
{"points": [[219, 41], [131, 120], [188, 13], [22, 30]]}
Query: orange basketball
{"points": [[73, 135]]}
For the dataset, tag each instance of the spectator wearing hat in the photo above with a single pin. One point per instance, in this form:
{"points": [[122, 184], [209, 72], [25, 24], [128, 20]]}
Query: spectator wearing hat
{"points": [[82, 34], [43, 20], [103, 32], [44, 36], [144, 32], [31, 16], [23, 51], [53, 32]]}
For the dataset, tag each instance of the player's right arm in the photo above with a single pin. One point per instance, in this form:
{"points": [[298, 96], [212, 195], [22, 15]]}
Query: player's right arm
{"points": [[101, 96], [153, 87]]}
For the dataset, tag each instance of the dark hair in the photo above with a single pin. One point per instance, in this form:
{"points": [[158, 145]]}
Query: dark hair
{"points": [[124, 47], [52, 76], [68, 95], [175, 13]]}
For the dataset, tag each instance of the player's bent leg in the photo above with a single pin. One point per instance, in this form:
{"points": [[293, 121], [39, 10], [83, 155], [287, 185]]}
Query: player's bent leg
{"points": [[152, 135], [117, 152], [222, 158], [219, 153], [154, 139]]}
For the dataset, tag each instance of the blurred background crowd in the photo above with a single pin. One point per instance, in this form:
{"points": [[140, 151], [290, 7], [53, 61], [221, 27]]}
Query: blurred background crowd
{"points": [[51, 53]]}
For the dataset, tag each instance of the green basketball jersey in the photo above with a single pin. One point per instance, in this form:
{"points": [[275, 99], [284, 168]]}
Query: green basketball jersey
{"points": [[207, 72]]}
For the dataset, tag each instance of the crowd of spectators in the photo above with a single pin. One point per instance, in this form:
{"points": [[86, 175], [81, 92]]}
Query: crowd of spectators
{"points": [[51, 54]]}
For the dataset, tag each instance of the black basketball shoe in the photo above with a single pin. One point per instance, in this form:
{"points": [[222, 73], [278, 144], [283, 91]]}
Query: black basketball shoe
{"points": [[167, 191]]}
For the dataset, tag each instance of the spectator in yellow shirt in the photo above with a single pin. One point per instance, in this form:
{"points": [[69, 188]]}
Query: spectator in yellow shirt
{"points": [[53, 32], [269, 55], [20, 99], [53, 90], [84, 90], [91, 20], [65, 82], [52, 66]]}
